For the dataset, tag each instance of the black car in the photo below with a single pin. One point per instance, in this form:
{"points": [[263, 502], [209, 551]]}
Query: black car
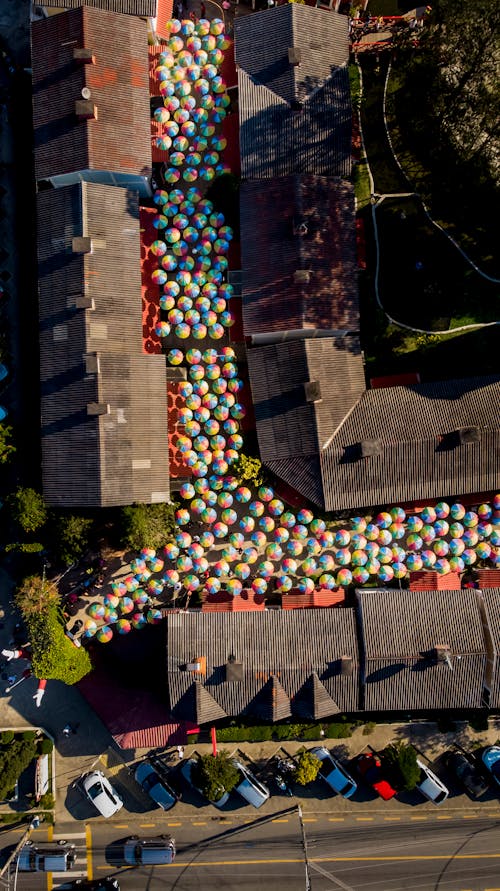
{"points": [[464, 770]]}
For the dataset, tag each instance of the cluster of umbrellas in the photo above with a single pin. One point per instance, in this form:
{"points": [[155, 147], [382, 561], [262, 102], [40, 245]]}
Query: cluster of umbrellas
{"points": [[191, 253]]}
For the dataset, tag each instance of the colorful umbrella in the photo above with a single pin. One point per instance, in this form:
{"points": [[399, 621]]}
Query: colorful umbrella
{"points": [[104, 634], [275, 506], [344, 577], [283, 583], [90, 627], [456, 530], [259, 538], [457, 511]]}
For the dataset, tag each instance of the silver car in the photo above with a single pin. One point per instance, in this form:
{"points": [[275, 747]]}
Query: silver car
{"points": [[149, 851], [155, 786], [430, 786]]}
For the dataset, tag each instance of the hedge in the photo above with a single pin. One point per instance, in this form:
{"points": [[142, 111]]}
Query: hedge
{"points": [[265, 732], [54, 656], [13, 761]]}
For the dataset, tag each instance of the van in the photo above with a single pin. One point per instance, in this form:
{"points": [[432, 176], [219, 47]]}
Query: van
{"points": [[149, 851], [56, 858], [249, 787]]}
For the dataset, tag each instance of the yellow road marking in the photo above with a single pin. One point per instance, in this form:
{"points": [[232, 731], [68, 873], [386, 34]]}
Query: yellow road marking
{"points": [[387, 859], [309, 820], [174, 824], [442, 817], [50, 837], [120, 825], [279, 821], [88, 841], [469, 816], [147, 825]]}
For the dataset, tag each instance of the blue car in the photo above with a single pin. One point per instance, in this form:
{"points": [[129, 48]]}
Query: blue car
{"points": [[491, 760], [332, 772]]}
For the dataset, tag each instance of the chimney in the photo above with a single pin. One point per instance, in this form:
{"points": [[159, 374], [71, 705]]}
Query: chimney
{"points": [[85, 110], [302, 276], [83, 56], [346, 666], [312, 391], [300, 228], [294, 56], [91, 364], [81, 244], [98, 408]]}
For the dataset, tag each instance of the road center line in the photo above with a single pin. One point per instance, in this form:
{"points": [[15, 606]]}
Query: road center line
{"points": [[88, 838]]}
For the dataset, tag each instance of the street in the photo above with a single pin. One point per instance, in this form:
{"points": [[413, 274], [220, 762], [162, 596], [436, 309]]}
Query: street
{"points": [[432, 852]]}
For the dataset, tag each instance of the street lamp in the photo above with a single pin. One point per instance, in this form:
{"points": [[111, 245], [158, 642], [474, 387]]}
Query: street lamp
{"points": [[304, 847]]}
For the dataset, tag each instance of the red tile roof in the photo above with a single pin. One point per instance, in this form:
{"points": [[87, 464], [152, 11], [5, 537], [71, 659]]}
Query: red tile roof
{"points": [[318, 598], [433, 581], [224, 602], [488, 578], [164, 13], [395, 380]]}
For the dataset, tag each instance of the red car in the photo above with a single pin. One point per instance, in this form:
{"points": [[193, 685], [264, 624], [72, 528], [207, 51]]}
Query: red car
{"points": [[370, 769]]}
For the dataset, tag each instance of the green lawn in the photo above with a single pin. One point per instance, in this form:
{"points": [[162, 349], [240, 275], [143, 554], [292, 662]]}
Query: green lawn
{"points": [[386, 174]]}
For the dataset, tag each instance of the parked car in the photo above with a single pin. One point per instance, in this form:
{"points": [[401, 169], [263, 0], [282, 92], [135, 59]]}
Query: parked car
{"points": [[187, 770], [149, 851], [46, 858], [467, 774], [155, 786], [370, 769], [249, 787], [332, 772], [101, 793], [491, 760], [430, 785]]}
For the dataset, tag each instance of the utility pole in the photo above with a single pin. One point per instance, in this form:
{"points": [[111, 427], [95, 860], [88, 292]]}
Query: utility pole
{"points": [[5, 873], [304, 847]]}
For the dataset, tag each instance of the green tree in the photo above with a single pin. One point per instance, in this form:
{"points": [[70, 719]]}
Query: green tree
{"points": [[28, 509], [7, 447], [35, 595], [401, 759], [215, 775], [54, 655], [71, 537], [307, 768], [249, 470], [13, 760], [147, 525]]}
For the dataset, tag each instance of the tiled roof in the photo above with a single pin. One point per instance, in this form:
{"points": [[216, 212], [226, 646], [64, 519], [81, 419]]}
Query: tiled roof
{"points": [[491, 601], [292, 224], [427, 580], [314, 599], [403, 670], [225, 602], [143, 8], [104, 402], [302, 391], [293, 118], [118, 140], [421, 454], [289, 645], [314, 701]]}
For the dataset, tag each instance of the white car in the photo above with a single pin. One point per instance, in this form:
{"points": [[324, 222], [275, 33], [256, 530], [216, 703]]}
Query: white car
{"points": [[430, 786], [332, 772], [100, 792]]}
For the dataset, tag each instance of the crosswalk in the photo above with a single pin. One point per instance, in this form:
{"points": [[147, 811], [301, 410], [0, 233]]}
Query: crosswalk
{"points": [[83, 866]]}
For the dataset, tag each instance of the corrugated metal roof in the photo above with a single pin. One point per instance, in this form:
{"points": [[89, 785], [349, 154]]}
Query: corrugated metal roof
{"points": [[287, 644], [295, 223], [416, 459], [143, 8], [262, 42], [491, 602], [292, 421], [91, 354], [277, 139], [400, 630], [119, 139]]}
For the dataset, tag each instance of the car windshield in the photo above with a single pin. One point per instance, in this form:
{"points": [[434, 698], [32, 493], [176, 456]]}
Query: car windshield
{"points": [[495, 768], [440, 796], [95, 790], [345, 789], [149, 781]]}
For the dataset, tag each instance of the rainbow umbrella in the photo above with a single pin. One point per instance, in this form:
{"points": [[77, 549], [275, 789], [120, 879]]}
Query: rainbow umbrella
{"points": [[384, 537], [483, 550], [123, 626], [398, 554], [456, 564], [229, 516], [283, 583], [306, 585], [383, 520], [171, 576], [138, 564], [191, 582], [183, 539], [200, 564], [221, 568], [456, 547], [358, 524], [495, 538], [359, 557], [273, 551], [372, 548], [442, 566], [441, 528], [469, 556], [225, 499], [237, 539], [326, 539], [299, 532], [385, 555], [155, 587], [309, 567], [256, 508], [359, 575], [414, 562], [138, 620], [259, 538], [496, 502], [313, 546], [104, 634], [484, 529], [372, 532], [243, 494], [229, 553], [428, 515], [457, 511], [414, 542], [209, 515], [153, 616], [414, 524], [456, 530], [220, 530], [343, 557], [396, 530], [399, 570], [470, 518], [160, 222], [90, 628], [234, 586], [470, 538], [386, 573], [175, 357], [428, 558], [111, 600], [275, 506], [442, 510], [213, 585], [247, 523], [210, 497], [373, 566], [294, 547], [184, 563], [241, 570], [250, 555], [259, 586], [484, 511], [344, 577], [156, 564], [326, 580], [441, 548], [281, 535], [326, 562], [131, 583], [265, 569]]}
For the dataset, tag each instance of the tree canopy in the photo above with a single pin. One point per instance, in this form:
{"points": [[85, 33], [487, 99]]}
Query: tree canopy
{"points": [[7, 447], [28, 509], [401, 758], [71, 537], [308, 765], [147, 525], [215, 775]]}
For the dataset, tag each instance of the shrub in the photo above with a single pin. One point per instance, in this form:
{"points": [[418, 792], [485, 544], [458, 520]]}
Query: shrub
{"points": [[147, 524], [338, 730], [28, 735], [249, 470], [307, 768], [28, 509], [71, 537], [13, 761], [54, 656], [46, 802], [402, 760], [369, 728], [6, 737], [215, 775], [45, 746]]}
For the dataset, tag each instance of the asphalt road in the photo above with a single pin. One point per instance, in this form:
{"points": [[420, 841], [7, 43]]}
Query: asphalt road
{"points": [[440, 852]]}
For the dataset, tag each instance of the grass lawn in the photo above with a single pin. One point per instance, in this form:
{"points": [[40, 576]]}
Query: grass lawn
{"points": [[386, 174], [446, 292]]}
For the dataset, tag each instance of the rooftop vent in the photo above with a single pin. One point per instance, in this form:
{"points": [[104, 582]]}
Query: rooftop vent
{"points": [[368, 448], [83, 302], [98, 408], [461, 436], [294, 56], [300, 228], [176, 374], [312, 391], [92, 363], [193, 666], [81, 245], [346, 666], [197, 665], [234, 669], [85, 110], [83, 56], [296, 106], [302, 276]]}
